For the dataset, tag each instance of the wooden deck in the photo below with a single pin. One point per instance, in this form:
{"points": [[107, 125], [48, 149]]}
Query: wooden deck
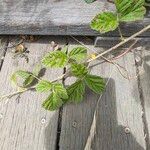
{"points": [[57, 17], [122, 120]]}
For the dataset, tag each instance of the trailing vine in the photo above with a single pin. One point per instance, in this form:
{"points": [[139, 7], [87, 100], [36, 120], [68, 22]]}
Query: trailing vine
{"points": [[77, 60]]}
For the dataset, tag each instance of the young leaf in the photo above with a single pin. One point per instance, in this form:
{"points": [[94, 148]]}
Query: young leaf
{"points": [[55, 59], [78, 54], [76, 91], [28, 81], [132, 10], [53, 102], [20, 73], [43, 86], [60, 90], [105, 22], [79, 70], [95, 83]]}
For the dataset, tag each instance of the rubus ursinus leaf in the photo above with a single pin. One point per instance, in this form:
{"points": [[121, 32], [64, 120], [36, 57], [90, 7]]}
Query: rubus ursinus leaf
{"points": [[43, 86], [21, 74], [79, 70], [28, 81], [95, 83], [76, 92], [78, 54], [56, 98], [105, 22], [55, 59], [132, 10], [60, 90], [53, 102]]}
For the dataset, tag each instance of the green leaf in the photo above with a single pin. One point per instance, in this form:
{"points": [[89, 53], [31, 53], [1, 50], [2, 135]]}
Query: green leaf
{"points": [[78, 54], [57, 97], [89, 1], [53, 102], [76, 91], [55, 59], [105, 22], [28, 81], [132, 10], [95, 83], [43, 86], [60, 90], [20, 73], [79, 70]]}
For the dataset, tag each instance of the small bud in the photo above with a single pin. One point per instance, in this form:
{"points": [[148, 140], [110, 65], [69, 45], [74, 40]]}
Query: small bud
{"points": [[93, 56]]}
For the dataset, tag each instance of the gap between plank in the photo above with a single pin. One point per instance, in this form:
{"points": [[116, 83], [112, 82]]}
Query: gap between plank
{"points": [[61, 109], [4, 52], [144, 120]]}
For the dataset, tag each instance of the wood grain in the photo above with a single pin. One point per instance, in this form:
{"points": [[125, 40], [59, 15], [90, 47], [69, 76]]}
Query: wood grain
{"points": [[119, 112], [24, 124], [144, 85], [108, 42], [57, 17]]}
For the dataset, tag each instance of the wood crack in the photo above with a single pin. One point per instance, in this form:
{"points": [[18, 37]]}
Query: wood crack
{"points": [[60, 110], [4, 49], [144, 119]]}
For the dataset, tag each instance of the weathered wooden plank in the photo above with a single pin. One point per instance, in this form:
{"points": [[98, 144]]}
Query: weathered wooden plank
{"points": [[108, 42], [51, 17], [144, 85], [24, 124], [3, 45], [119, 110]]}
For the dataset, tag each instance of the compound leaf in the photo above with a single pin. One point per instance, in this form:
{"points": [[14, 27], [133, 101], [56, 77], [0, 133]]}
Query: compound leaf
{"points": [[53, 102], [132, 10], [95, 83], [43, 86], [105, 22], [78, 53], [79, 70], [60, 90], [76, 91], [55, 59], [21, 74]]}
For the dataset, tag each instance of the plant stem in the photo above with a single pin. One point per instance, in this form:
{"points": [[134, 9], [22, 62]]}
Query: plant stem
{"points": [[16, 93], [121, 43], [120, 33], [98, 56]]}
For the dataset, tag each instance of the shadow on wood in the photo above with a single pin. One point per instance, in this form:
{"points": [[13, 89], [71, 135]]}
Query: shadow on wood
{"points": [[109, 134]]}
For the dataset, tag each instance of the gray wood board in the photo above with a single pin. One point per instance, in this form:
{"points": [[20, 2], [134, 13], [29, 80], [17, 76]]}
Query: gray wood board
{"points": [[119, 110], [24, 124], [144, 84], [53, 17], [108, 42]]}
